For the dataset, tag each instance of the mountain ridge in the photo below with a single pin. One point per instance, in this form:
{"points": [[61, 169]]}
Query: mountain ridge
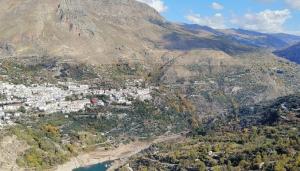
{"points": [[247, 37], [105, 32], [291, 53]]}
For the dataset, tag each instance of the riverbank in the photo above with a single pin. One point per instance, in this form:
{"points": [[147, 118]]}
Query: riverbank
{"points": [[120, 154]]}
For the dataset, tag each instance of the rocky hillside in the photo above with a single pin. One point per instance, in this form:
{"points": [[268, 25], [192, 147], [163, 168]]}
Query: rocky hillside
{"points": [[94, 31], [219, 68], [97, 32], [220, 84], [291, 53]]}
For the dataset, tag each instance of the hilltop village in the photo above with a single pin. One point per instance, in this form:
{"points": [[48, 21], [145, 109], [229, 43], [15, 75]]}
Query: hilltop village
{"points": [[65, 97]]}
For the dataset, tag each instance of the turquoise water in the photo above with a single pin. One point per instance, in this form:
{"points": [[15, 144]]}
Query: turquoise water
{"points": [[97, 167]]}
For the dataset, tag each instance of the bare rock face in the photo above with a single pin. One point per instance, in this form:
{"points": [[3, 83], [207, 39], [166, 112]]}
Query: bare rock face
{"points": [[85, 15], [97, 31]]}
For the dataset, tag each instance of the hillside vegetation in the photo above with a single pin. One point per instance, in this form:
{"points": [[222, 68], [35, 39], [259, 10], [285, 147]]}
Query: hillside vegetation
{"points": [[272, 144]]}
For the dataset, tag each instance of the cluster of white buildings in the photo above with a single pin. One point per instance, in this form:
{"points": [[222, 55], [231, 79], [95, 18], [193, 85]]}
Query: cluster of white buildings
{"points": [[49, 98]]}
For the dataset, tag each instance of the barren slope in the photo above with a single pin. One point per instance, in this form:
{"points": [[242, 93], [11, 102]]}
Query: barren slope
{"points": [[95, 31]]}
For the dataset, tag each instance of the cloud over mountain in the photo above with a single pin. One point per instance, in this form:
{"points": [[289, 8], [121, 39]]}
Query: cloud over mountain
{"points": [[159, 5], [271, 21], [215, 21], [266, 21]]}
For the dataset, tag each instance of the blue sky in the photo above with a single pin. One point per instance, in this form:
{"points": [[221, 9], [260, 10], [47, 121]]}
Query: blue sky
{"points": [[258, 15]]}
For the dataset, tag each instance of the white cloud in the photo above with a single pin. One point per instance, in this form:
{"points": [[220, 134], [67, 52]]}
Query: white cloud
{"points": [[216, 21], [294, 32], [159, 5], [293, 3], [265, 21], [217, 6]]}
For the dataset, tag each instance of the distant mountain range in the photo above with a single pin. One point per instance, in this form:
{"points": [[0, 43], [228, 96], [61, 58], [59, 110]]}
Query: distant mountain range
{"points": [[284, 45], [246, 37], [291, 53]]}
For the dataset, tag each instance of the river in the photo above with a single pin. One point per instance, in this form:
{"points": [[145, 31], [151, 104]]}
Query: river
{"points": [[97, 167]]}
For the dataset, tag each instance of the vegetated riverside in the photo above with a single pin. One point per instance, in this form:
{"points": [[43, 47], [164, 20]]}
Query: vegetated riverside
{"points": [[269, 141]]}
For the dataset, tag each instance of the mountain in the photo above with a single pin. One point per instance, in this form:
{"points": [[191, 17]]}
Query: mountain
{"points": [[291, 39], [291, 53], [256, 39], [105, 32], [197, 29], [97, 32], [246, 37], [210, 66], [94, 31], [283, 37]]}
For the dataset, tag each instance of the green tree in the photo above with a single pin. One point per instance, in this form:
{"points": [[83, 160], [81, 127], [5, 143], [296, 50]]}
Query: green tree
{"points": [[258, 159], [22, 109], [243, 164], [201, 166], [229, 165], [279, 166]]}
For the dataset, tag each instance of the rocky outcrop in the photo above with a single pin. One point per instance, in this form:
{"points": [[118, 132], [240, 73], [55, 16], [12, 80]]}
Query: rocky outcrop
{"points": [[97, 32]]}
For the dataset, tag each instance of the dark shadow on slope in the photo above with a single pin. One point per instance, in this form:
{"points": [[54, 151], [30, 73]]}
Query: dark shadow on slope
{"points": [[282, 109], [292, 53]]}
